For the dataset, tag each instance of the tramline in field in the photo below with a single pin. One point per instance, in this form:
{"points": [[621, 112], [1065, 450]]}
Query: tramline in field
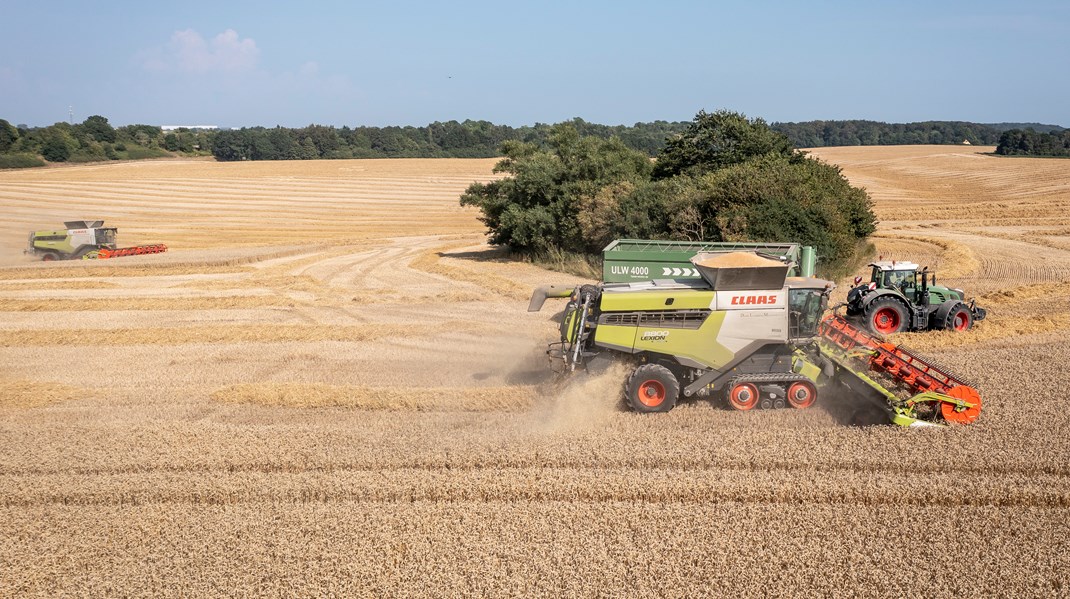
{"points": [[747, 332]]}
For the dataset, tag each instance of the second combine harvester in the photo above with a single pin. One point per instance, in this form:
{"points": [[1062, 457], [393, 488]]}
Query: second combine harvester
{"points": [[744, 330]]}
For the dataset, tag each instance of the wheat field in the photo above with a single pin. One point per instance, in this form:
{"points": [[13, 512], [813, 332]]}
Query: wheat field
{"points": [[330, 386]]}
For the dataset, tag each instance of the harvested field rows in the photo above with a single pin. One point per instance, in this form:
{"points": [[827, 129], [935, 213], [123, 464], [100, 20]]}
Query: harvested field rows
{"points": [[331, 386]]}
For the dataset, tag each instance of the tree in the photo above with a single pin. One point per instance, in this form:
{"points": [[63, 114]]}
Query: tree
{"points": [[717, 140], [98, 128], [8, 135], [57, 146], [538, 207]]}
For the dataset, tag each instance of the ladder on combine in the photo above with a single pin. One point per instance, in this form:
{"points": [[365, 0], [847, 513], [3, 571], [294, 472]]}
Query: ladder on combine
{"points": [[136, 250], [930, 386]]}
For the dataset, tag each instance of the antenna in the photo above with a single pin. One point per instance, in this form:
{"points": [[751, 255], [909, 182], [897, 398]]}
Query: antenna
{"points": [[70, 109]]}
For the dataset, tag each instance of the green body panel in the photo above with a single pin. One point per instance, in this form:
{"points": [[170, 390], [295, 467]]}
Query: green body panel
{"points": [[903, 282], [682, 299], [44, 240], [628, 260], [699, 345], [621, 338], [801, 365]]}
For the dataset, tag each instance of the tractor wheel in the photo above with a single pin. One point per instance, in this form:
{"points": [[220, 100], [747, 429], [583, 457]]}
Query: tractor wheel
{"points": [[652, 388], [743, 396], [886, 315], [960, 319], [802, 394], [49, 257]]}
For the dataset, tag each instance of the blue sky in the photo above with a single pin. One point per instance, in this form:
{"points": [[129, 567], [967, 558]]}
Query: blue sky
{"points": [[410, 63]]}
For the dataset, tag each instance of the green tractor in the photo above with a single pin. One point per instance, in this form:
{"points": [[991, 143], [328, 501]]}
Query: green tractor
{"points": [[900, 297]]}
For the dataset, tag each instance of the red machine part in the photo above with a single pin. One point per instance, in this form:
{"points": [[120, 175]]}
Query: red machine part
{"points": [[905, 367], [136, 250]]}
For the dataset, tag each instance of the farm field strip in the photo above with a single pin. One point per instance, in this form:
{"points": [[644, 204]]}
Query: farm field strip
{"points": [[333, 380]]}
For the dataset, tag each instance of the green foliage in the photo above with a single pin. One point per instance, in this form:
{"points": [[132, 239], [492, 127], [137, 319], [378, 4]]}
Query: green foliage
{"points": [[20, 161], [536, 210], [717, 140], [815, 134], [725, 178], [1017, 142], [58, 144], [97, 128], [8, 136]]}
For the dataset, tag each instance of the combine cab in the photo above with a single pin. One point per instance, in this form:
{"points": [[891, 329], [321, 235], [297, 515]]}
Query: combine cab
{"points": [[83, 239], [750, 335], [899, 297]]}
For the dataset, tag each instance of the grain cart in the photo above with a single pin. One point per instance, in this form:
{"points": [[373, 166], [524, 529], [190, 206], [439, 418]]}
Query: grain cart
{"points": [[83, 239], [627, 260], [900, 297], [747, 333]]}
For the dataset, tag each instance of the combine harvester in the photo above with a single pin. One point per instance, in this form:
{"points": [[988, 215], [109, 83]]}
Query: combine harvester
{"points": [[741, 329], [84, 239]]}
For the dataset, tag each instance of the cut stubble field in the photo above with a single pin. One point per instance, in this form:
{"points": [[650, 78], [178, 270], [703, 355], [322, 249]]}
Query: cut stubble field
{"points": [[331, 385]]}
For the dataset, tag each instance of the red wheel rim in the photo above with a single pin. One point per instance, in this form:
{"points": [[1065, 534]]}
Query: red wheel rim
{"points": [[962, 321], [802, 395], [47, 258], [967, 415], [886, 320], [743, 396], [651, 393]]}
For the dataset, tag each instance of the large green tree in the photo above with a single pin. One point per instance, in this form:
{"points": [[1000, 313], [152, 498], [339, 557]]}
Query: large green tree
{"points": [[726, 178], [537, 208], [719, 139], [8, 135]]}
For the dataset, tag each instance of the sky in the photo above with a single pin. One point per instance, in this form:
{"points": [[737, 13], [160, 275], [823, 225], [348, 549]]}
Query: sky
{"points": [[234, 64]]}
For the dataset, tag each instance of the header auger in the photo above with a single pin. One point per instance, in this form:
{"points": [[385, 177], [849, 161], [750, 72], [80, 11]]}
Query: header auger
{"points": [[927, 385], [749, 335]]}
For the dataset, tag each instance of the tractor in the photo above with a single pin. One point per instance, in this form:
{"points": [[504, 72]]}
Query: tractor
{"points": [[900, 297]]}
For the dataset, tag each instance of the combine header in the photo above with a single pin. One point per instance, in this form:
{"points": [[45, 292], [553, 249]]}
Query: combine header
{"points": [[925, 385], [750, 334], [84, 239]]}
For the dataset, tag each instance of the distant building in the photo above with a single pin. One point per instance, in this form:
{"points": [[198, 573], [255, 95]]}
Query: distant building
{"points": [[193, 127], [965, 142]]}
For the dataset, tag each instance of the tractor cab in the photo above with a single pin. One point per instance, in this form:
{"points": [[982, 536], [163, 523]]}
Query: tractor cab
{"points": [[889, 274]]}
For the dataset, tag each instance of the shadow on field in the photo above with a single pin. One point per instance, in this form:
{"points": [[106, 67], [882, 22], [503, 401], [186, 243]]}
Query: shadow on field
{"points": [[499, 255]]}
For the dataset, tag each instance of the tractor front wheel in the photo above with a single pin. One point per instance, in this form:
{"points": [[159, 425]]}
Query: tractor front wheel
{"points": [[960, 319], [886, 315], [652, 388]]}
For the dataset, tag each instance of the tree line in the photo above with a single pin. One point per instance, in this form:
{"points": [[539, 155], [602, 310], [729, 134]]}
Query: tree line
{"points": [[1028, 142], [724, 178], [452, 139], [95, 139]]}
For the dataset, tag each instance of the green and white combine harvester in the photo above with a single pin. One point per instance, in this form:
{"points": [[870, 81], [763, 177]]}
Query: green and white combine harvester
{"points": [[743, 330], [83, 240]]}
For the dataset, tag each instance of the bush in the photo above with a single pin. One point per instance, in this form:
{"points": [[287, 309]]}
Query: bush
{"points": [[538, 209], [20, 161], [726, 178]]}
